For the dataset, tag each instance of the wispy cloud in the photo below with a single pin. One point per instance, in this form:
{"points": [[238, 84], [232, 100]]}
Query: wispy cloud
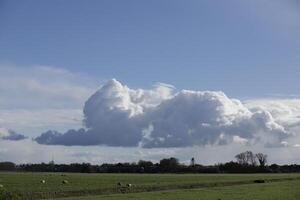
{"points": [[37, 98], [42, 87], [277, 15]]}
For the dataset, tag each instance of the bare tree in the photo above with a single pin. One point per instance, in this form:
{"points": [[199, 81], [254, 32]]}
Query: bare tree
{"points": [[262, 159], [251, 158], [246, 157], [241, 158]]}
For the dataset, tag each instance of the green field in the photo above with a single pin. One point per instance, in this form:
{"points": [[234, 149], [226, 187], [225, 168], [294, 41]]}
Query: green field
{"points": [[154, 186], [286, 190]]}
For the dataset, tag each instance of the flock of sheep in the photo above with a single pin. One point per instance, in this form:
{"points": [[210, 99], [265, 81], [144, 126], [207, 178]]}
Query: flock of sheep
{"points": [[63, 182], [124, 187], [119, 184], [121, 187]]}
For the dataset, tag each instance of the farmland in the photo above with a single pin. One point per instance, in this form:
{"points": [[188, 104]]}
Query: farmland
{"points": [[286, 190], [146, 186]]}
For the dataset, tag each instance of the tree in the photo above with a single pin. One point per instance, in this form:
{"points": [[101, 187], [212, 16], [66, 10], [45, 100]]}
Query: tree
{"points": [[241, 158], [169, 164], [246, 158], [262, 159], [7, 166], [144, 163], [251, 158]]}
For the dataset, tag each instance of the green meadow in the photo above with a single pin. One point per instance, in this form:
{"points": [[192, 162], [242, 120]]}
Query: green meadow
{"points": [[151, 186], [285, 190]]}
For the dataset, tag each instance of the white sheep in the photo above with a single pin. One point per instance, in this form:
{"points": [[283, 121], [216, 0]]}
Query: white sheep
{"points": [[1, 186], [129, 185], [65, 182], [43, 181]]}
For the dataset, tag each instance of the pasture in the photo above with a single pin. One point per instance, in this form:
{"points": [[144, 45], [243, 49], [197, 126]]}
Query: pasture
{"points": [[154, 186], [286, 190]]}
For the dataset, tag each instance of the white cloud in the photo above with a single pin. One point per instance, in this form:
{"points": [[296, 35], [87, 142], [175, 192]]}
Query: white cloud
{"points": [[119, 116], [206, 125], [284, 111], [203, 124], [240, 140]]}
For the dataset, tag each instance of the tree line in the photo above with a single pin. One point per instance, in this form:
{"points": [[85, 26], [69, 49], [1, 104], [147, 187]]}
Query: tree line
{"points": [[246, 162]]}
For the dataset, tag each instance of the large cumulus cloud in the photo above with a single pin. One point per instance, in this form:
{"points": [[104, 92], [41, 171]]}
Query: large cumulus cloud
{"points": [[117, 115], [193, 118]]}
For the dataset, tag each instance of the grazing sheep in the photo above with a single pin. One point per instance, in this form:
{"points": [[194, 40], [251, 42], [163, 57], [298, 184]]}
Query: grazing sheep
{"points": [[1, 186], [128, 185], [65, 182], [43, 181], [119, 184]]}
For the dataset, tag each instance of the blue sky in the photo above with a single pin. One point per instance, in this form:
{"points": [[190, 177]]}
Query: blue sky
{"points": [[244, 48], [54, 55]]}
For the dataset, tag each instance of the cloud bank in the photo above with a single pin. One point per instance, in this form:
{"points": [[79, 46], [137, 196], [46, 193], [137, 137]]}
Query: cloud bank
{"points": [[117, 115], [28, 151]]}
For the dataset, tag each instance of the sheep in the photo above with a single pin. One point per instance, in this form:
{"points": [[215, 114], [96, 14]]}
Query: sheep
{"points": [[43, 181], [65, 182], [128, 185], [1, 186], [119, 184]]}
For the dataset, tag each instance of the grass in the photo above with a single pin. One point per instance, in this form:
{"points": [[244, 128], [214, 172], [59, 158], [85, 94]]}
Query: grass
{"points": [[30, 187], [285, 190]]}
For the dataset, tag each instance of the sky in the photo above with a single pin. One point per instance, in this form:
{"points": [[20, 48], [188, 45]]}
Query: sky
{"points": [[181, 78]]}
